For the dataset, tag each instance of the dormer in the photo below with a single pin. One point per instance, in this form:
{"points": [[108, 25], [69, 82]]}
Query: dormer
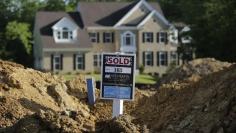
{"points": [[65, 31]]}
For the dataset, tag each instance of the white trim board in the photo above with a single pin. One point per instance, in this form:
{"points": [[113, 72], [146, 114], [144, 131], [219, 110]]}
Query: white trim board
{"points": [[150, 15], [141, 2], [70, 24]]}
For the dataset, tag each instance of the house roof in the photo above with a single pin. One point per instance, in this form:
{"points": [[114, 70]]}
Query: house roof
{"points": [[45, 21], [107, 13], [89, 14]]}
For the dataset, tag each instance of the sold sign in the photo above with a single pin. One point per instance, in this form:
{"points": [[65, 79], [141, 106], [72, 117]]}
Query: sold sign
{"points": [[113, 60], [118, 76]]}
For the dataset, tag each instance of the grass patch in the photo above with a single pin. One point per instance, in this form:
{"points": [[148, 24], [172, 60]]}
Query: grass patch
{"points": [[141, 79]]}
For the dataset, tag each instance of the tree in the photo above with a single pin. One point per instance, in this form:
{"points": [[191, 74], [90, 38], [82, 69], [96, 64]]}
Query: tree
{"points": [[19, 31], [55, 5]]}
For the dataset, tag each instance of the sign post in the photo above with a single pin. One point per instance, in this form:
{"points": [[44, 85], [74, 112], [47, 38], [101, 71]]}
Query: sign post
{"points": [[91, 90], [118, 79]]}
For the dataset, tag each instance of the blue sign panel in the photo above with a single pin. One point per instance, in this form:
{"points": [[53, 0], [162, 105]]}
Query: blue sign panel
{"points": [[118, 76], [91, 91]]}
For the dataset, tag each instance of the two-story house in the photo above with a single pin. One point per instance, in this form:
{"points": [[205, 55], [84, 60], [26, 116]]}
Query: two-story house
{"points": [[74, 41]]}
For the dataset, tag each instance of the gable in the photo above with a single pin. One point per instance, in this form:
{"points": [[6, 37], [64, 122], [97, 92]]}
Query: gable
{"points": [[137, 16], [103, 14], [138, 13], [152, 25], [65, 22]]}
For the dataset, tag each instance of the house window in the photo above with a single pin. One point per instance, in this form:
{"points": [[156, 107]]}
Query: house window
{"points": [[162, 58], [108, 37], [173, 57], [59, 35], [80, 61], [57, 62], [148, 37], [128, 38], [162, 37], [64, 34], [97, 60], [148, 58], [94, 37]]}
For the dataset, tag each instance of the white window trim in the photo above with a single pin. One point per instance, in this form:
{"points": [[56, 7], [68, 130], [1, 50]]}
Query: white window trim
{"points": [[58, 35], [132, 38], [79, 63], [95, 37], [176, 57], [107, 37], [164, 60], [98, 59], [146, 59], [56, 63], [146, 37], [162, 36]]}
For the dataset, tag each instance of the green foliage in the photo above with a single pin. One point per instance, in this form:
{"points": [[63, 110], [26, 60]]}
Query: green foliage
{"points": [[141, 69], [212, 22], [55, 5], [19, 31]]}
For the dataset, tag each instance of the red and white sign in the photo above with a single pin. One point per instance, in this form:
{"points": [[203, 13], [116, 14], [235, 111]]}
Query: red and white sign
{"points": [[113, 60]]}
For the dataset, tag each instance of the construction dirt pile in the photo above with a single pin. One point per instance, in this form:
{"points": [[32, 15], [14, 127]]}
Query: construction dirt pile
{"points": [[27, 92], [205, 105], [201, 101], [50, 102], [195, 69]]}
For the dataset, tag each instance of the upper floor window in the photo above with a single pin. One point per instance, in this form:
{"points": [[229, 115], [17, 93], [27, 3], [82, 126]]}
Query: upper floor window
{"points": [[128, 38], [162, 37], [64, 34], [108, 37], [94, 37], [147, 37]]}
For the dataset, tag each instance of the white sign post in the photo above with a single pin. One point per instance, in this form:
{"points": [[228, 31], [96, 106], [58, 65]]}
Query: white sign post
{"points": [[117, 108], [118, 79]]}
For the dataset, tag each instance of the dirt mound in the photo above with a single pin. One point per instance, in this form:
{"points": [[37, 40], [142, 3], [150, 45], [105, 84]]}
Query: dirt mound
{"points": [[46, 122], [195, 69], [120, 124], [31, 101], [25, 91], [207, 105]]}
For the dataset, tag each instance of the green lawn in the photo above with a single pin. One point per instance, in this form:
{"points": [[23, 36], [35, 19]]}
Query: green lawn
{"points": [[142, 78]]}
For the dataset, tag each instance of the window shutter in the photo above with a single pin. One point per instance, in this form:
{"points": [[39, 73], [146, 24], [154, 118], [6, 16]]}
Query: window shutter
{"points": [[158, 37], [112, 37], [158, 58], [143, 37], [98, 37], [83, 61], [74, 61], [103, 37], [152, 59], [52, 62], [178, 58], [144, 59], [166, 38], [151, 37], [61, 61], [166, 57]]}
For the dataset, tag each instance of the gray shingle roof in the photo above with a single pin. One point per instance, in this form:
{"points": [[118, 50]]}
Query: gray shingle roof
{"points": [[45, 21], [90, 14], [107, 13]]}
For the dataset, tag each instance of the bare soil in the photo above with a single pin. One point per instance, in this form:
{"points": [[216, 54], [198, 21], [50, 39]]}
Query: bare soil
{"points": [[197, 97]]}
